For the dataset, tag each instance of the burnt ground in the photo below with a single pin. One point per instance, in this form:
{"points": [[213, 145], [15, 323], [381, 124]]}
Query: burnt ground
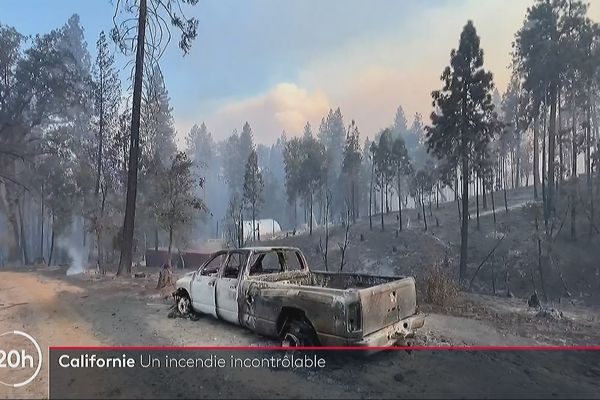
{"points": [[414, 250], [91, 310], [88, 309]]}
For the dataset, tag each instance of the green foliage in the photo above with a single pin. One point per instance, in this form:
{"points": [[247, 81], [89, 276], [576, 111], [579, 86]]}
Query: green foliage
{"points": [[177, 190], [384, 160], [253, 184], [352, 152], [465, 120]]}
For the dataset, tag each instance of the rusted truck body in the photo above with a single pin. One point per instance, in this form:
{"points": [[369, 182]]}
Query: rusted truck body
{"points": [[272, 291]]}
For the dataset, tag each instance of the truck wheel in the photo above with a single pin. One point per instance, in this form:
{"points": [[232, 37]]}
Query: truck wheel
{"points": [[298, 333], [184, 305]]}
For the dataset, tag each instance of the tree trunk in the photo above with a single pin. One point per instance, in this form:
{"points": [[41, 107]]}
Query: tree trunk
{"points": [[170, 245], [126, 257], [156, 237], [99, 228], [24, 253], [382, 203], [100, 139], [456, 186], [540, 264], [536, 157], [544, 194], [560, 140], [517, 163], [253, 222], [588, 145], [310, 222], [99, 252], [42, 227], [483, 194], [399, 203], [505, 200], [371, 197], [573, 171], [353, 203], [574, 142], [51, 243], [464, 228], [241, 238], [423, 208], [477, 200], [295, 213], [493, 206], [551, 149], [387, 205]]}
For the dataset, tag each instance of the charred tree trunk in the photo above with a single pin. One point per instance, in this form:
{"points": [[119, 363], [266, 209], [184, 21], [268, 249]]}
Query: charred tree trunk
{"points": [[353, 201], [493, 206], [156, 237], [536, 157], [560, 140], [544, 194], [371, 197], [310, 222], [100, 138], [505, 200], [551, 149], [588, 145], [126, 257], [382, 202], [399, 202], [24, 253], [573, 172], [295, 213], [540, 264], [423, 208], [483, 194], [477, 200], [51, 253], [456, 186], [464, 229], [170, 245], [42, 225]]}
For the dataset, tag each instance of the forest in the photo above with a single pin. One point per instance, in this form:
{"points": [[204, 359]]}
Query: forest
{"points": [[91, 172]]}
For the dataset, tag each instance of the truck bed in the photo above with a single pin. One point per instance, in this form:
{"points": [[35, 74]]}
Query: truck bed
{"points": [[384, 300], [339, 281]]}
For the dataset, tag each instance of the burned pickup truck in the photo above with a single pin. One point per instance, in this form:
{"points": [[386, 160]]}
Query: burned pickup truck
{"points": [[271, 291]]}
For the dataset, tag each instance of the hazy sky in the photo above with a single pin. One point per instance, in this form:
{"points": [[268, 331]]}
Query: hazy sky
{"points": [[280, 63]]}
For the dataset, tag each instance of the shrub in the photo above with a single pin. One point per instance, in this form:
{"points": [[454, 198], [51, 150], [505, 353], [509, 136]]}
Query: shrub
{"points": [[439, 287]]}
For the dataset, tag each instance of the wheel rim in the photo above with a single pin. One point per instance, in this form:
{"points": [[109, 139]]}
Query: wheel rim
{"points": [[184, 305], [290, 340]]}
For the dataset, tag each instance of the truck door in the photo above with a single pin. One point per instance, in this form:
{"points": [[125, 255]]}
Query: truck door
{"points": [[205, 283], [227, 287]]}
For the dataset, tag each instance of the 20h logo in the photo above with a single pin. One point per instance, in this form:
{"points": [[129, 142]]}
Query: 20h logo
{"points": [[20, 358]]}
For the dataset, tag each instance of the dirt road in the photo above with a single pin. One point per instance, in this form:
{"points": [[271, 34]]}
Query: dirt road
{"points": [[88, 310]]}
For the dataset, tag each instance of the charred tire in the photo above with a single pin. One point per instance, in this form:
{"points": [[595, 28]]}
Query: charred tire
{"points": [[298, 333], [184, 305]]}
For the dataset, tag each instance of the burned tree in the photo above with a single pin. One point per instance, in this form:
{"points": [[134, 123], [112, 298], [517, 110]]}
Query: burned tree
{"points": [[253, 189], [179, 201], [464, 121], [149, 13]]}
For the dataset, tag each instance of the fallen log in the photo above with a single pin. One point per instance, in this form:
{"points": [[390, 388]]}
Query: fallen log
{"points": [[484, 260], [4, 307]]}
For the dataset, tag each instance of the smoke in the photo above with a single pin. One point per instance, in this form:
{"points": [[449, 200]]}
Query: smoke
{"points": [[72, 243]]}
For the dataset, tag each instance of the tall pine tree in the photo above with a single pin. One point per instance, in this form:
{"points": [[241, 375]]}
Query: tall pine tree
{"points": [[464, 121]]}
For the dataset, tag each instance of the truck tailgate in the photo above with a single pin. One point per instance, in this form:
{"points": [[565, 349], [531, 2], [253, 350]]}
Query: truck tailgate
{"points": [[385, 304]]}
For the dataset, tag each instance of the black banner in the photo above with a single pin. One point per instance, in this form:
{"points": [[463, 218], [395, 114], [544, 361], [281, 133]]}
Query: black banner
{"points": [[254, 373]]}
